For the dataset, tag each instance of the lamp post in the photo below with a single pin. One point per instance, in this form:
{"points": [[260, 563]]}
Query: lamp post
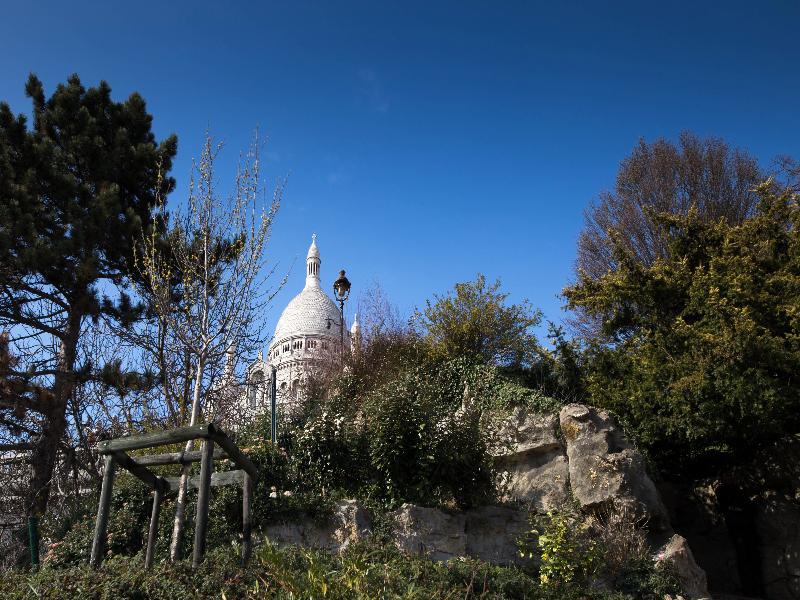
{"points": [[273, 406], [341, 291]]}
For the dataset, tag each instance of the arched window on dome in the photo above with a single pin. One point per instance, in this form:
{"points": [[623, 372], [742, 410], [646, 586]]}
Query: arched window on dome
{"points": [[255, 389]]}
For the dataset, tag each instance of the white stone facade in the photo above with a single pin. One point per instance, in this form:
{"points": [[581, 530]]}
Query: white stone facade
{"points": [[307, 339]]}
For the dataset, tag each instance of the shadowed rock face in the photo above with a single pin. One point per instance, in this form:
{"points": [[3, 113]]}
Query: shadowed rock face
{"points": [[693, 579], [420, 530], [534, 459], [777, 527], [350, 523], [604, 467], [489, 533], [492, 533]]}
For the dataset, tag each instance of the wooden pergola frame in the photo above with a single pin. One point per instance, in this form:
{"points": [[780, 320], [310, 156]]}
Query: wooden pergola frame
{"points": [[115, 453]]}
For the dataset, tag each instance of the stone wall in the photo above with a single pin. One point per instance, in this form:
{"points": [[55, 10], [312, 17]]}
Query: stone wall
{"points": [[748, 543], [580, 455]]}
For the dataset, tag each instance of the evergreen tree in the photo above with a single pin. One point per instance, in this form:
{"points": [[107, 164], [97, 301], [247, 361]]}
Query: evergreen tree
{"points": [[662, 177], [699, 351], [76, 191]]}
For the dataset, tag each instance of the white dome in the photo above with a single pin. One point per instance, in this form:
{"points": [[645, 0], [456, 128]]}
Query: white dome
{"points": [[308, 314]]}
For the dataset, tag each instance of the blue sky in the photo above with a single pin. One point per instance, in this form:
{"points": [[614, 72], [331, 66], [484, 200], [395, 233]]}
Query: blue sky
{"points": [[427, 142]]}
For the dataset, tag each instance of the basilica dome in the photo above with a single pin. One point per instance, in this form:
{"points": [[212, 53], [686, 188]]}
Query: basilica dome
{"points": [[308, 313], [310, 317], [308, 338]]}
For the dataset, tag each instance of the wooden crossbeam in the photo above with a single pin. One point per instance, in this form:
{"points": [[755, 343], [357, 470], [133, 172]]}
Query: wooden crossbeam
{"points": [[175, 458], [143, 473], [233, 451], [218, 478], [159, 438]]}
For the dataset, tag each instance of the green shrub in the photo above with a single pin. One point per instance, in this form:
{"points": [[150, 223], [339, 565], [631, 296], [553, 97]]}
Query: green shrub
{"points": [[407, 440], [568, 554], [330, 452], [130, 510], [364, 571], [577, 551]]}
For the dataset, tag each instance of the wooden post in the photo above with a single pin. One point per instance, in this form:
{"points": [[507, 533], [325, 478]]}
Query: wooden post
{"points": [[101, 525], [33, 540], [247, 525], [158, 495], [203, 497]]}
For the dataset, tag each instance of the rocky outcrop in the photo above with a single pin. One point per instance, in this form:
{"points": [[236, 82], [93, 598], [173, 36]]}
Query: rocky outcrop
{"points": [[492, 533], [533, 459], [605, 468], [546, 459], [777, 526], [349, 523], [429, 531], [677, 554], [489, 533]]}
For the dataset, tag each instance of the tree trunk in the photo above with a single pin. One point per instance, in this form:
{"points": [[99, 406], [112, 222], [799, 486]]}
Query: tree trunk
{"points": [[54, 422], [180, 502]]}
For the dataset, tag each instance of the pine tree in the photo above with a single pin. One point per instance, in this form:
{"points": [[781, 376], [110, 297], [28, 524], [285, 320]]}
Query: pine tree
{"points": [[76, 191]]}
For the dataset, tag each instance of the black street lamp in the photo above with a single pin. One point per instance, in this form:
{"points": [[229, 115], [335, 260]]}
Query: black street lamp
{"points": [[341, 291]]}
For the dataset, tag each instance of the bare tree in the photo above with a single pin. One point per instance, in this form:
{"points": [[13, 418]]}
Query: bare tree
{"points": [[377, 315], [662, 177], [208, 286]]}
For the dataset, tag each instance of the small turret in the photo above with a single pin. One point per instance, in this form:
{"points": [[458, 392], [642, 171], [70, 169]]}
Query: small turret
{"points": [[230, 361], [312, 264], [355, 334]]}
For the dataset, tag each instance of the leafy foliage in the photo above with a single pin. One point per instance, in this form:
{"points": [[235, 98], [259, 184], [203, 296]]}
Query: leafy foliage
{"points": [[422, 436], [475, 321], [364, 571], [700, 350], [76, 190], [577, 551], [568, 555]]}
